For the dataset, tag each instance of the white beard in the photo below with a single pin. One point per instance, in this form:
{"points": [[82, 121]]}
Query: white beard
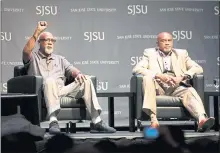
{"points": [[48, 50]]}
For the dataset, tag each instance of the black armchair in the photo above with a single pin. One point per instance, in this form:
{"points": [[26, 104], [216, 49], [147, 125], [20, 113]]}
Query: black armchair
{"points": [[168, 107], [71, 109]]}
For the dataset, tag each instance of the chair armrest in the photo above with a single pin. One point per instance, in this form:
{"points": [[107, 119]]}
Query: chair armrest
{"points": [[25, 84], [136, 87], [198, 85], [94, 81]]}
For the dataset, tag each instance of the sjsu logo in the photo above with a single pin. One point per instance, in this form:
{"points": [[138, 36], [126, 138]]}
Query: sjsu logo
{"points": [[102, 85], [92, 36], [179, 35], [135, 59], [46, 10], [3, 87], [216, 9], [6, 36], [137, 9]]}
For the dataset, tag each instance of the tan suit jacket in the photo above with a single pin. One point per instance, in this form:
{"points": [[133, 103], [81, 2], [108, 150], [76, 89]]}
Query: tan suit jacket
{"points": [[152, 63]]}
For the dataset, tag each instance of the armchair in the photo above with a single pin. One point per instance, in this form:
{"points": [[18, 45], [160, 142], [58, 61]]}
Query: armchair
{"points": [[71, 109], [168, 107]]}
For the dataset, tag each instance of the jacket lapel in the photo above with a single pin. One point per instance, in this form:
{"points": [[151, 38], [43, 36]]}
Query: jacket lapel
{"points": [[160, 61], [174, 63]]}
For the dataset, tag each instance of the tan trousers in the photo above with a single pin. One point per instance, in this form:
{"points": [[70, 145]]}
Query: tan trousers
{"points": [[53, 93], [189, 97]]}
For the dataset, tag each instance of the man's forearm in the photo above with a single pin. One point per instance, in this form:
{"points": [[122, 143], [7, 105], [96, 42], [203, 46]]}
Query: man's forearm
{"points": [[31, 43], [30, 46]]}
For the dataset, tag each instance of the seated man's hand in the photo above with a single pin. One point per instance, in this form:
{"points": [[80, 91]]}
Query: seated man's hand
{"points": [[169, 80], [177, 80], [80, 78]]}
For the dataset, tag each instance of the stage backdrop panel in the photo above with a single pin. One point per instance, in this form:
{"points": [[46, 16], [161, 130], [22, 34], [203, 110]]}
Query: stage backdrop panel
{"points": [[107, 38]]}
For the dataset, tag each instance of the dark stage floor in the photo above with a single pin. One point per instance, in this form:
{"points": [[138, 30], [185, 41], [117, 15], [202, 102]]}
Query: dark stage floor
{"points": [[131, 135], [122, 131], [128, 141]]}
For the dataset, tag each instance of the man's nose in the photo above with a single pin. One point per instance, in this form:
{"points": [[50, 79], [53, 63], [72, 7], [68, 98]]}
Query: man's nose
{"points": [[167, 42], [50, 42]]}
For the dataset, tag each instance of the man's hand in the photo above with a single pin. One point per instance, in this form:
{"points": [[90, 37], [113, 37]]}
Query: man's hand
{"points": [[80, 78], [42, 25], [166, 79], [177, 80]]}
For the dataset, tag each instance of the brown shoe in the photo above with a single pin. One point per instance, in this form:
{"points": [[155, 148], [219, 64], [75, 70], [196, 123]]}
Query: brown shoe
{"points": [[154, 125], [206, 124]]}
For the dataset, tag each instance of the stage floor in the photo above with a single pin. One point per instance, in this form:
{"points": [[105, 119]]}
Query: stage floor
{"points": [[122, 131], [131, 135]]}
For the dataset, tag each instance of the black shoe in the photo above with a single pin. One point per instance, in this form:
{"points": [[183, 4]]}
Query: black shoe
{"points": [[101, 127], [54, 127]]}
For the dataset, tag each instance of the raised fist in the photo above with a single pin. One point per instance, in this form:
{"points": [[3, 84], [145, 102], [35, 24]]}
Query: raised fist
{"points": [[42, 25]]}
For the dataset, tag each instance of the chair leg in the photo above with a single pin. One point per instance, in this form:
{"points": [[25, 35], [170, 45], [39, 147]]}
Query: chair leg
{"points": [[132, 125], [72, 127], [131, 114], [139, 125], [67, 128], [195, 126]]}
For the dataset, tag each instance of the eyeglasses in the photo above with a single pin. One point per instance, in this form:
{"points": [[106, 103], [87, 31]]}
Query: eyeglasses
{"points": [[47, 40]]}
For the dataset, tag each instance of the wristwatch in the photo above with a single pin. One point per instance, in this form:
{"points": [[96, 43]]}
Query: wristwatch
{"points": [[187, 77]]}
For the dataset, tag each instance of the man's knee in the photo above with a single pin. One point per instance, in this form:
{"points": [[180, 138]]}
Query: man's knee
{"points": [[88, 80], [148, 81], [190, 90], [49, 81], [148, 78]]}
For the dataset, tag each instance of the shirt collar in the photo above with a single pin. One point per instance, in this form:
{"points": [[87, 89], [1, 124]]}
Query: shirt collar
{"points": [[161, 53], [43, 56]]}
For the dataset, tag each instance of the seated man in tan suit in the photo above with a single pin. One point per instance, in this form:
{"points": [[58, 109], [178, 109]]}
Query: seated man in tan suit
{"points": [[54, 69], [165, 71]]}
